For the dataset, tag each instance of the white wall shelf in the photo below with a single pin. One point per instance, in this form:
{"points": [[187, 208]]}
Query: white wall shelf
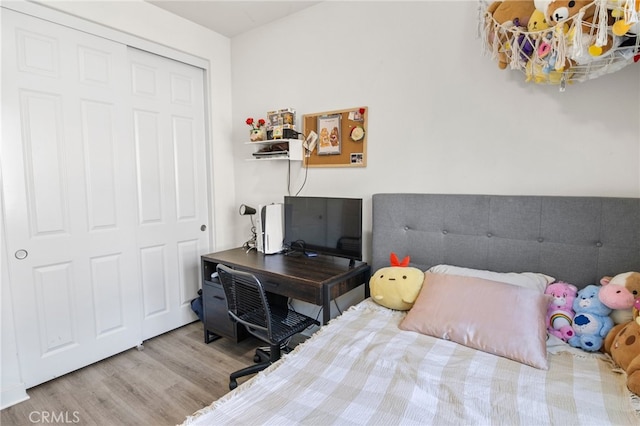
{"points": [[295, 150]]}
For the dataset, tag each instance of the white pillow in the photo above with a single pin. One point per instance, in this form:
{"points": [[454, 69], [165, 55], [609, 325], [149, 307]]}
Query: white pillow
{"points": [[530, 280]]}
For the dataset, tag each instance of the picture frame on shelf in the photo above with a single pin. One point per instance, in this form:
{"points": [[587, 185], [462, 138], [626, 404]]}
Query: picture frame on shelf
{"points": [[274, 119], [277, 132]]}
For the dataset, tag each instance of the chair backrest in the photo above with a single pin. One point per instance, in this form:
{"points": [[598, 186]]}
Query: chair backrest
{"points": [[246, 299]]}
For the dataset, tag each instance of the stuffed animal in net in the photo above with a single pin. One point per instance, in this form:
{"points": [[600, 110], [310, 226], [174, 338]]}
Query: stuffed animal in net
{"points": [[504, 16], [591, 322], [627, 17], [586, 35], [534, 70], [620, 293], [541, 63], [560, 311], [623, 344], [396, 286]]}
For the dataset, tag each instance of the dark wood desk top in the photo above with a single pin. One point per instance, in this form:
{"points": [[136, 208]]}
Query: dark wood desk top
{"points": [[295, 276]]}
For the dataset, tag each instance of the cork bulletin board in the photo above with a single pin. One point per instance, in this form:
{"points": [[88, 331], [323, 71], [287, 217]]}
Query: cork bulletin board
{"points": [[342, 138]]}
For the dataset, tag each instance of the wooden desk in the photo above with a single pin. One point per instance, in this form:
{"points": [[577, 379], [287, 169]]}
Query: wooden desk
{"points": [[316, 280]]}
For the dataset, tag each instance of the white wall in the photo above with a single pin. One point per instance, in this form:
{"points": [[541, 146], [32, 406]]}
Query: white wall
{"points": [[442, 117]]}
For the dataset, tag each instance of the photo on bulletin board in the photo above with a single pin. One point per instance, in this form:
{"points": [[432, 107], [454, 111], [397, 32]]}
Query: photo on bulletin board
{"points": [[341, 138], [357, 158], [329, 135]]}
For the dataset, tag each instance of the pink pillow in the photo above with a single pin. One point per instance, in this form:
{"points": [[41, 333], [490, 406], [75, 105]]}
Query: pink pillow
{"points": [[494, 317]]}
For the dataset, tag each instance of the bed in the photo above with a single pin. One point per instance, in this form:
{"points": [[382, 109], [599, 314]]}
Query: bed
{"points": [[361, 368]]}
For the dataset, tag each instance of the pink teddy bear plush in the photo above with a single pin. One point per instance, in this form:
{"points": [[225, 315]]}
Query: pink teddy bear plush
{"points": [[560, 312]]}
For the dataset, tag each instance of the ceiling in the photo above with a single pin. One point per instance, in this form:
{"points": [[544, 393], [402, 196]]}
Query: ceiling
{"points": [[232, 17]]}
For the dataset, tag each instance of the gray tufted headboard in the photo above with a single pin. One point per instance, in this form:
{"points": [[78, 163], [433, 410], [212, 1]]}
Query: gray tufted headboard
{"points": [[574, 239]]}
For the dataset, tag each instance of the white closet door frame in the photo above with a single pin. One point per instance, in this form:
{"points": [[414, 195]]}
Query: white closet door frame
{"points": [[74, 22]]}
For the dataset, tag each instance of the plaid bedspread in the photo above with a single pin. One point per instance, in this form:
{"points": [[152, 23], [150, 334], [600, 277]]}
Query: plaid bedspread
{"points": [[361, 369]]}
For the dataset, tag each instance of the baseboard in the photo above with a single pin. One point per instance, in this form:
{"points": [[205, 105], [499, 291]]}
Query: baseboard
{"points": [[13, 395]]}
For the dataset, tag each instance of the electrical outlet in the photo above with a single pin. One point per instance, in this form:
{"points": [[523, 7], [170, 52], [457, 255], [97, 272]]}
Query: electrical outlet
{"points": [[310, 143]]}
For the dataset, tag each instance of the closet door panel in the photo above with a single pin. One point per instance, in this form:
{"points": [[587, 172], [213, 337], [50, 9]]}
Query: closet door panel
{"points": [[168, 109], [186, 179], [67, 160], [100, 164], [44, 162], [149, 166]]}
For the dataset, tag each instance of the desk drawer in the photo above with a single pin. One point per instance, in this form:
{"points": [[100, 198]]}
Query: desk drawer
{"points": [[216, 318], [295, 290]]}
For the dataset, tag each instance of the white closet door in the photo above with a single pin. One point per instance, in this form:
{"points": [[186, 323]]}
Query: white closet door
{"points": [[168, 127], [67, 160], [104, 186]]}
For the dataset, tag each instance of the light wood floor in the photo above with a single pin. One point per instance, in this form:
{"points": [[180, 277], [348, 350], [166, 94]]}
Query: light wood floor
{"points": [[175, 375]]}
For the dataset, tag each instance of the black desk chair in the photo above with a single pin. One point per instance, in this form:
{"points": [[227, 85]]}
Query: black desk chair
{"points": [[247, 303]]}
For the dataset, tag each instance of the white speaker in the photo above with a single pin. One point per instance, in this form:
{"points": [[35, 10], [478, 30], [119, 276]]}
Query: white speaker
{"points": [[270, 228]]}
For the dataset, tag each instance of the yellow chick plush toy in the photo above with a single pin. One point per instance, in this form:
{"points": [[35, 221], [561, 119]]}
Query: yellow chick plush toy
{"points": [[396, 286]]}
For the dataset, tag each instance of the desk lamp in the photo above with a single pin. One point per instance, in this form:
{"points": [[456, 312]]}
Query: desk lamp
{"points": [[246, 210]]}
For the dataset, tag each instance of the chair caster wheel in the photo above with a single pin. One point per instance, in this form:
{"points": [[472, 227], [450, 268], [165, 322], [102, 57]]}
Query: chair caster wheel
{"points": [[233, 384], [256, 358]]}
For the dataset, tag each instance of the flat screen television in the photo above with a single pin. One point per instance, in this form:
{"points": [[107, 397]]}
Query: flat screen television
{"points": [[325, 225]]}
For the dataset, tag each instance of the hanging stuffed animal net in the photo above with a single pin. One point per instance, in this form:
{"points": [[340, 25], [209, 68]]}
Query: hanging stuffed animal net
{"points": [[560, 41]]}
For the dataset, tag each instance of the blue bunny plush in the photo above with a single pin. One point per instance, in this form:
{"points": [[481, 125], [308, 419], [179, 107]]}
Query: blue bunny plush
{"points": [[591, 322]]}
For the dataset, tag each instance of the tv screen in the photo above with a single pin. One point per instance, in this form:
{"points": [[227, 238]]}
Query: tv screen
{"points": [[324, 225]]}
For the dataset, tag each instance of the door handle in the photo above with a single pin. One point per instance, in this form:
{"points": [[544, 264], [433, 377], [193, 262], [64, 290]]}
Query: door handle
{"points": [[203, 228], [21, 254]]}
